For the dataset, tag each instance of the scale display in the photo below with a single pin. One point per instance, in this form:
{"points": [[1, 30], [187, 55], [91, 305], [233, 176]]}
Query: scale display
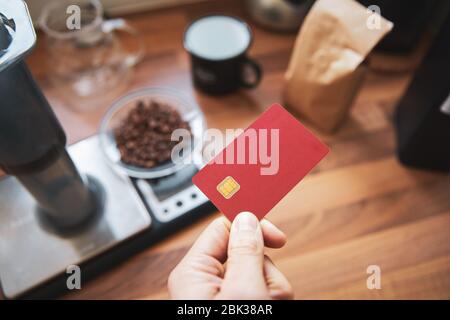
{"points": [[170, 197]]}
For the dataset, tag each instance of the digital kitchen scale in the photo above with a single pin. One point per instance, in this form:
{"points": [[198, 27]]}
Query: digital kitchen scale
{"points": [[137, 213]]}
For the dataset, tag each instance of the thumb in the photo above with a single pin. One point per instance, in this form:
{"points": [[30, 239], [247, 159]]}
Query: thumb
{"points": [[244, 274]]}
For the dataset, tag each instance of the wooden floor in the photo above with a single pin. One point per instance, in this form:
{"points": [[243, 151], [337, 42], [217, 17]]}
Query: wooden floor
{"points": [[360, 207]]}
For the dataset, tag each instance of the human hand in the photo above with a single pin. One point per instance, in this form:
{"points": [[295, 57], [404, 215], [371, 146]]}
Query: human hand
{"points": [[227, 261]]}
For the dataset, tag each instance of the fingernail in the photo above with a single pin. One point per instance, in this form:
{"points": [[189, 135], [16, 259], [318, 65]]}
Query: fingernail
{"points": [[246, 221]]}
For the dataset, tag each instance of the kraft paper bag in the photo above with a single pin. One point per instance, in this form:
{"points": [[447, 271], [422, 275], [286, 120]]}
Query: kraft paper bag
{"points": [[326, 67]]}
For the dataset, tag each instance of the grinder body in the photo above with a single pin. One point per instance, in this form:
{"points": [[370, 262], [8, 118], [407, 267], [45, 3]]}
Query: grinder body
{"points": [[32, 142]]}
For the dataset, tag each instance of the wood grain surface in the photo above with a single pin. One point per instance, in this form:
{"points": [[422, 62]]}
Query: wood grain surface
{"points": [[359, 207]]}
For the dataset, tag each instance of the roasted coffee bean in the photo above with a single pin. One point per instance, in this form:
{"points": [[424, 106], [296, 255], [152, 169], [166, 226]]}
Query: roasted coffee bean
{"points": [[143, 137]]}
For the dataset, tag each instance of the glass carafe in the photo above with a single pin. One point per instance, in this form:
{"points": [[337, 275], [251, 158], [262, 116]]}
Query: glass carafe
{"points": [[87, 55]]}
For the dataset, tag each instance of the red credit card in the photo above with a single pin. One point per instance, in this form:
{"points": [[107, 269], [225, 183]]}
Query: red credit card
{"points": [[255, 171]]}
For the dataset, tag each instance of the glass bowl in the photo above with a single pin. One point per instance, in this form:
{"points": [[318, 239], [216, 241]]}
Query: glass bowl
{"points": [[190, 112]]}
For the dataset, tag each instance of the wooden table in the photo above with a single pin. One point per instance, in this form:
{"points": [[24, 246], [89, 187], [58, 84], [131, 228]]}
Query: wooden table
{"points": [[360, 207]]}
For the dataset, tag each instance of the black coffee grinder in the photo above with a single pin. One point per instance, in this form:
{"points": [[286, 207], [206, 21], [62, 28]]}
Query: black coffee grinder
{"points": [[63, 207]]}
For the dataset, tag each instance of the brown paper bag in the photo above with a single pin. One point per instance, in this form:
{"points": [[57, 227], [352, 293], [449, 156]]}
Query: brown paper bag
{"points": [[326, 70]]}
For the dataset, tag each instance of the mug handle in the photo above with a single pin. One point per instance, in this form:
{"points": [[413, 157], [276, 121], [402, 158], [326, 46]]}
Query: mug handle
{"points": [[121, 25], [255, 68]]}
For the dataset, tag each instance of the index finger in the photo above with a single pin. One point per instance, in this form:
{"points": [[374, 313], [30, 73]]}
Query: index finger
{"points": [[213, 241]]}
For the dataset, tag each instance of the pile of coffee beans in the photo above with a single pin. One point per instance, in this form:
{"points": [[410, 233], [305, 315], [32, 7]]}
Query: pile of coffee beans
{"points": [[143, 138]]}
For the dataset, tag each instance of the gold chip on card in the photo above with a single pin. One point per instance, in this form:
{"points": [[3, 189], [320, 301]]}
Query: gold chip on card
{"points": [[228, 187]]}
